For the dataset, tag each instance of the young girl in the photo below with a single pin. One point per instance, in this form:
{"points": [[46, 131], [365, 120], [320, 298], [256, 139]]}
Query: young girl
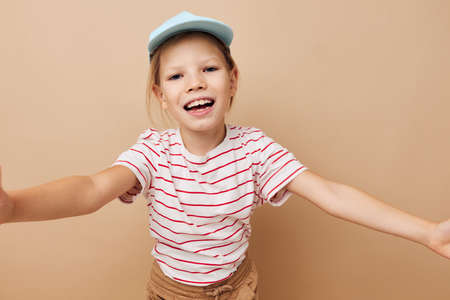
{"points": [[204, 179]]}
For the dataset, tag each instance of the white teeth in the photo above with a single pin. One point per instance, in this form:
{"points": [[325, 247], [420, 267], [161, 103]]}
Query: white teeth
{"points": [[198, 102]]}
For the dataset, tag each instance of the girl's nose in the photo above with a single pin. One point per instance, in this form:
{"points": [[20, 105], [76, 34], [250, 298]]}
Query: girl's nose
{"points": [[197, 83]]}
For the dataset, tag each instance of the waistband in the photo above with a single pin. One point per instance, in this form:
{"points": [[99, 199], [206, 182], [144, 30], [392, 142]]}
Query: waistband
{"points": [[168, 287]]}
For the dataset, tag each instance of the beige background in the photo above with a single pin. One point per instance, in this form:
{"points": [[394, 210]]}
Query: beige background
{"points": [[358, 90]]}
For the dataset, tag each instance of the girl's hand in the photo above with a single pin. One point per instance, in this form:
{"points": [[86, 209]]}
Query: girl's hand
{"points": [[6, 204], [439, 240]]}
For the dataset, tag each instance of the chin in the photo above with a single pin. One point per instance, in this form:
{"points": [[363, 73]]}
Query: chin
{"points": [[204, 125]]}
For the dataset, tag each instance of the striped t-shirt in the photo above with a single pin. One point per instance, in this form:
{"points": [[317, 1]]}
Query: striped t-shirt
{"points": [[200, 206]]}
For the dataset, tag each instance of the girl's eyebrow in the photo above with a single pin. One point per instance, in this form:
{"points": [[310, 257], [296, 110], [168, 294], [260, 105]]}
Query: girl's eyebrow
{"points": [[210, 58]]}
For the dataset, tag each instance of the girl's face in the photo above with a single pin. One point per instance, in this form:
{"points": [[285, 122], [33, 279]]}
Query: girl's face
{"points": [[195, 85]]}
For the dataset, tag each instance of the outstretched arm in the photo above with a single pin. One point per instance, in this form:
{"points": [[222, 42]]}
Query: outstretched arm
{"points": [[353, 205], [65, 197]]}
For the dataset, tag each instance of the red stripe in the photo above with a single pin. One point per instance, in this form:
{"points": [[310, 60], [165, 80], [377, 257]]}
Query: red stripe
{"points": [[148, 136], [150, 148], [257, 150], [173, 144], [161, 190], [173, 220], [220, 154], [280, 156], [200, 234], [224, 165], [232, 175], [161, 134], [158, 234], [219, 204], [229, 214], [214, 193], [200, 240], [171, 207], [167, 150], [145, 157], [204, 282], [244, 133], [206, 224], [166, 180], [271, 163], [166, 133], [285, 164], [263, 173], [214, 247], [213, 270], [173, 154], [173, 247], [284, 181], [135, 167], [176, 165], [270, 156], [225, 152], [205, 182], [267, 146], [196, 171], [182, 178], [220, 246], [192, 262], [213, 157], [161, 236], [252, 140], [236, 248]]}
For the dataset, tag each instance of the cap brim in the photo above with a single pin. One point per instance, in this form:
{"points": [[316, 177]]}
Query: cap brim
{"points": [[220, 30]]}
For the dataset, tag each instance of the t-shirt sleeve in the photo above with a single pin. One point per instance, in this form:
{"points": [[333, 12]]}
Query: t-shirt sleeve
{"points": [[142, 160], [276, 167]]}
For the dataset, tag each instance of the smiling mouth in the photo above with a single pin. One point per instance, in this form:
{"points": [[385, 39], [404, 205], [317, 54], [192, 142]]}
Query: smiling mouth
{"points": [[199, 104]]}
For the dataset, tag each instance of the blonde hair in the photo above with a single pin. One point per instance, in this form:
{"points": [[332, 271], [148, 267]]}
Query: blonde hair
{"points": [[153, 74]]}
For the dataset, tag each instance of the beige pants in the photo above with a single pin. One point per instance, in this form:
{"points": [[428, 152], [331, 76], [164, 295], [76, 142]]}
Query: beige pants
{"points": [[239, 286]]}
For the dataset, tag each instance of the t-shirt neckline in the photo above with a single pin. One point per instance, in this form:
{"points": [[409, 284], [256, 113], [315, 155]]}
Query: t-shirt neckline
{"points": [[210, 153]]}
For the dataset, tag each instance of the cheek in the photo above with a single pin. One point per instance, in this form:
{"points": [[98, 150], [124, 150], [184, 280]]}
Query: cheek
{"points": [[222, 85], [172, 90]]}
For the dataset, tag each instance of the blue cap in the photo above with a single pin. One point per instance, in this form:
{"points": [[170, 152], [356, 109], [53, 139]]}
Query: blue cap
{"points": [[186, 21]]}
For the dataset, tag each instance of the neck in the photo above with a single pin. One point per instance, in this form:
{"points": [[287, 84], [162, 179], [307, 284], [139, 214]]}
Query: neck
{"points": [[201, 142]]}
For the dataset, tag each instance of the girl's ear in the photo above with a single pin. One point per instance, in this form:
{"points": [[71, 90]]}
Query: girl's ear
{"points": [[234, 76], [158, 93]]}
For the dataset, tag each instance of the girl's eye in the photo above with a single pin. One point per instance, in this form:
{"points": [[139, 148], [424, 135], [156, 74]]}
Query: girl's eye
{"points": [[178, 76], [174, 77]]}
